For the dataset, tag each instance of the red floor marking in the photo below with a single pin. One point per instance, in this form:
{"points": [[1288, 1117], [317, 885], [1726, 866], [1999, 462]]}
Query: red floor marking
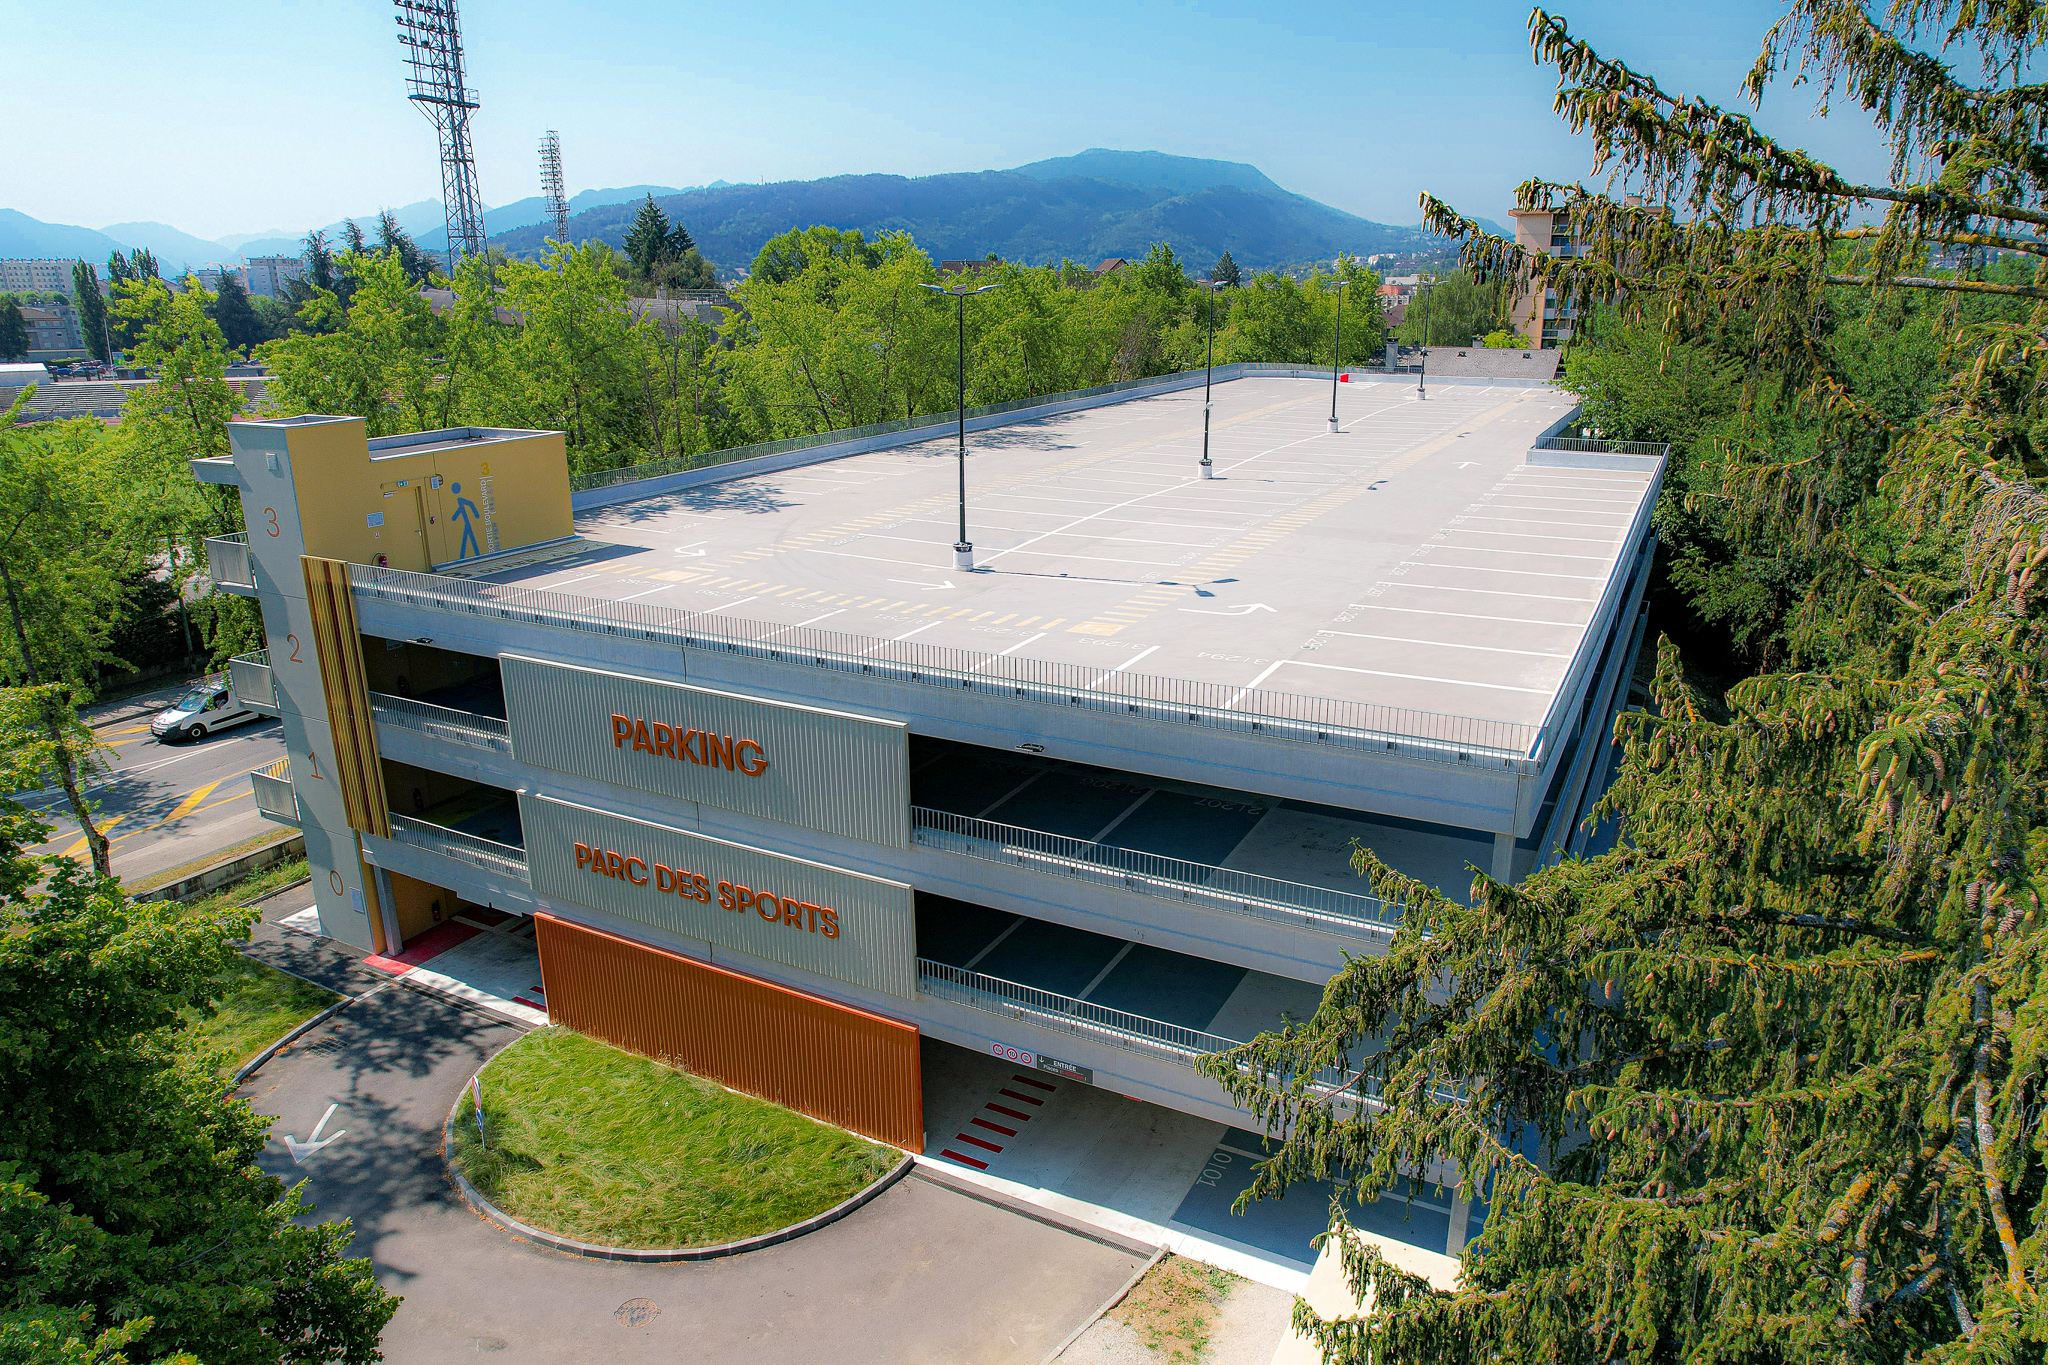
{"points": [[530, 1004], [1028, 1099], [1033, 1080], [984, 1123], [1026, 1118], [423, 949], [987, 1146], [957, 1156]]}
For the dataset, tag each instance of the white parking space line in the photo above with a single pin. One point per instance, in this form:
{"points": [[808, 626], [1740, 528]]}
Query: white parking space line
{"points": [[1414, 677], [1531, 535], [1466, 615], [1524, 521], [1502, 550], [1443, 644], [1490, 592], [1480, 568]]}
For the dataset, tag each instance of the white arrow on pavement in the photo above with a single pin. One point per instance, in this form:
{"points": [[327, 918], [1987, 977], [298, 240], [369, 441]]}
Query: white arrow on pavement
{"points": [[691, 554], [301, 1150], [1245, 610], [930, 587]]}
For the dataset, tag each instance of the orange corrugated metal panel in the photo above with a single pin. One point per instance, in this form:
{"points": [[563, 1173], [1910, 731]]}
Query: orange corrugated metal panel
{"points": [[830, 1061]]}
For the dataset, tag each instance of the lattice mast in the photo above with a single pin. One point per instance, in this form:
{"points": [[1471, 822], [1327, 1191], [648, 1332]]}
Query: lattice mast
{"points": [[432, 34], [551, 183]]}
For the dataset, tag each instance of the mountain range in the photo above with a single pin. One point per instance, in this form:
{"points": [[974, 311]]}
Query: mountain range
{"points": [[1089, 207], [1098, 204], [175, 251]]}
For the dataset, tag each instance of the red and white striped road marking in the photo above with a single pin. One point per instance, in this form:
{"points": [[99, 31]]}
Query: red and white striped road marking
{"points": [[1019, 1115]]}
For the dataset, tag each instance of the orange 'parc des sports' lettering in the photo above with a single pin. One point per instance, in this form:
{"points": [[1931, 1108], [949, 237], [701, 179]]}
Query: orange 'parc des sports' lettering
{"points": [[694, 886], [695, 746]]}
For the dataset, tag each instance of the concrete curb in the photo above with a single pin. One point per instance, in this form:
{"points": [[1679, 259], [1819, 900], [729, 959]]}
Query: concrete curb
{"points": [[933, 1174], [1112, 1301], [491, 1213], [250, 1067], [214, 877]]}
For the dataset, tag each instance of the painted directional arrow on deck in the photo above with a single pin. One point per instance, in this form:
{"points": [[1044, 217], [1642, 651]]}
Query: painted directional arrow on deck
{"points": [[1245, 610], [929, 587], [301, 1150]]}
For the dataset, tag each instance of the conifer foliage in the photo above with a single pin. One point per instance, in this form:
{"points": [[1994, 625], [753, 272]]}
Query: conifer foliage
{"points": [[1769, 1081]]}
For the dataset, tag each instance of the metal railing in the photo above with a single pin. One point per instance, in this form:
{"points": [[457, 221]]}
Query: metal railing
{"points": [[1582, 445], [228, 563], [1131, 1032], [251, 677], [502, 859], [1323, 909], [276, 798], [1139, 696], [442, 722]]}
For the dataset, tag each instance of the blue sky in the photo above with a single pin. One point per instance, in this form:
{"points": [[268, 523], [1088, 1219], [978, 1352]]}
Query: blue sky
{"points": [[289, 113]]}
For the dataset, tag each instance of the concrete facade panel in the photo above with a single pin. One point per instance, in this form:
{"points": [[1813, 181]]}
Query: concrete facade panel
{"points": [[824, 770], [802, 914]]}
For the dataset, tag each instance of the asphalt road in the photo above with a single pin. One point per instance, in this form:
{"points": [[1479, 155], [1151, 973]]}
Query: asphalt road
{"points": [[166, 805], [921, 1276]]}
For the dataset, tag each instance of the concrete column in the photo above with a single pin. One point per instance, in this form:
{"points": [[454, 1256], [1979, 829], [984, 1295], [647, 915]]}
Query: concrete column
{"points": [[1461, 1218], [1503, 869]]}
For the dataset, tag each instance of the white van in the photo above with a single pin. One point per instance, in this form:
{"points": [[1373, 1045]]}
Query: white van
{"points": [[211, 705]]}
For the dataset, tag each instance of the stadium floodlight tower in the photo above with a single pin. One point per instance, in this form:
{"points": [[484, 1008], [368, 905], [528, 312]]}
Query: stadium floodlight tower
{"points": [[432, 34], [963, 548], [551, 183]]}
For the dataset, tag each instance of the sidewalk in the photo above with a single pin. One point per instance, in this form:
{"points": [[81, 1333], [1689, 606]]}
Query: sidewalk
{"points": [[494, 968]]}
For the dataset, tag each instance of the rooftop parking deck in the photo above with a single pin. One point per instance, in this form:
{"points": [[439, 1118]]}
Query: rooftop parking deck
{"points": [[1413, 559]]}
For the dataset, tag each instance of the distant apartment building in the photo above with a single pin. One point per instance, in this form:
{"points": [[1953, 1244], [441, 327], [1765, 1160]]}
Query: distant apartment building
{"points": [[267, 277], [1539, 315], [52, 327], [19, 275]]}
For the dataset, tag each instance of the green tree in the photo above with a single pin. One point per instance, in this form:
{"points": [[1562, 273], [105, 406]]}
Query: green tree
{"points": [[785, 256], [131, 1209], [62, 561], [395, 241], [647, 241], [1764, 1083], [239, 325], [1226, 271], [379, 360], [1454, 310], [92, 309], [13, 330], [1501, 339]]}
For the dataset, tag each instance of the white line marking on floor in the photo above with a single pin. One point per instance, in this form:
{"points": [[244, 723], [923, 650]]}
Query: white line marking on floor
{"points": [[1418, 677], [1444, 644]]}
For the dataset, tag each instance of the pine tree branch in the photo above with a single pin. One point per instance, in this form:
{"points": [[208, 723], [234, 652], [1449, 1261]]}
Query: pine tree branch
{"points": [[1846, 926], [2035, 246], [2021, 291]]}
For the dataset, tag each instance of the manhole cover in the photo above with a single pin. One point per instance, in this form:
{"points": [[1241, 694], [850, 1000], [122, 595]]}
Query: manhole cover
{"points": [[637, 1312]]}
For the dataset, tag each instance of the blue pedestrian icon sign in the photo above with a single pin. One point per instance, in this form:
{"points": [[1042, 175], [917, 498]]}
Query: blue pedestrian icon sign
{"points": [[465, 512]]}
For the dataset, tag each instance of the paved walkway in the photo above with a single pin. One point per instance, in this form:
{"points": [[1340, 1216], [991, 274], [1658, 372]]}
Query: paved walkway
{"points": [[924, 1274]]}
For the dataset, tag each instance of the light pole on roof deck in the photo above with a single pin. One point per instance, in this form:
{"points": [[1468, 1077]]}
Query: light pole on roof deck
{"points": [[1337, 345], [1208, 287], [963, 549]]}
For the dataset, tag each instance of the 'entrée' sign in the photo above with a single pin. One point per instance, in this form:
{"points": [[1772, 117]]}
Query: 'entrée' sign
{"points": [[790, 910], [763, 758]]}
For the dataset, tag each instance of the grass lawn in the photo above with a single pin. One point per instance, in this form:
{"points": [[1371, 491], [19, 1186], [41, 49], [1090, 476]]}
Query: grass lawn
{"points": [[257, 1004], [595, 1143], [257, 1007]]}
